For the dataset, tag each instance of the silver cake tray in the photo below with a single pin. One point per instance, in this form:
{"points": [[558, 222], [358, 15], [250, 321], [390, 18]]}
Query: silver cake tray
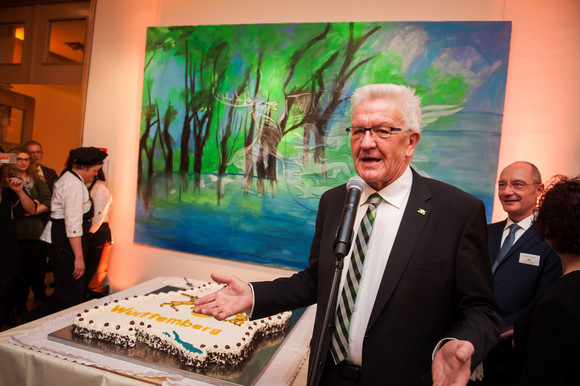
{"points": [[245, 374]]}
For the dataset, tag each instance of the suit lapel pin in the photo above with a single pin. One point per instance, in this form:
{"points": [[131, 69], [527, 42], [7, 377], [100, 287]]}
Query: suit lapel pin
{"points": [[421, 212]]}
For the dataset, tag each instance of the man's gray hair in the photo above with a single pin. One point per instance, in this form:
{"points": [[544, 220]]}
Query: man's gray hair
{"points": [[410, 102]]}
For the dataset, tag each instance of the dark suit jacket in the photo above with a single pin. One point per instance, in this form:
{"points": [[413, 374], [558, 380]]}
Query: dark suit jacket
{"points": [[516, 284], [50, 176], [437, 284]]}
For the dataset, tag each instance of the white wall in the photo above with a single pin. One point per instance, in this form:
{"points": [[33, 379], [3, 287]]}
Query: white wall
{"points": [[540, 121]]}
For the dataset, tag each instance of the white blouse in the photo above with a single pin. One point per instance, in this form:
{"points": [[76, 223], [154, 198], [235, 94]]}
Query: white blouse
{"points": [[102, 203], [70, 201]]}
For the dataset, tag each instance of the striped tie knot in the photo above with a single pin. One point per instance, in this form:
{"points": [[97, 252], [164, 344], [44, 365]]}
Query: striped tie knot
{"points": [[374, 200]]}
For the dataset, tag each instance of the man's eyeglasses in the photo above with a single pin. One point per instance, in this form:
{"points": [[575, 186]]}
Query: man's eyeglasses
{"points": [[377, 132], [22, 159], [513, 186]]}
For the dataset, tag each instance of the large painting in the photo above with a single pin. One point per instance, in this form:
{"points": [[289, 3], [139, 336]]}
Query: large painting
{"points": [[243, 126]]}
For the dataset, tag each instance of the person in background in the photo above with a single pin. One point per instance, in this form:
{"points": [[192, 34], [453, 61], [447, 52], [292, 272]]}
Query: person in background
{"points": [[71, 211], [14, 203], [523, 266], [28, 230], [424, 311], [36, 153], [546, 335], [99, 237], [49, 176]]}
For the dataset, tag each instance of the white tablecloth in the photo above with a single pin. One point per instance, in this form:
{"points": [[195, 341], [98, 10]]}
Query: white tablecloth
{"points": [[27, 357]]}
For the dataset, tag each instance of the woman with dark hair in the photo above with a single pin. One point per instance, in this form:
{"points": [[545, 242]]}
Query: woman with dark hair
{"points": [[28, 231], [14, 203], [71, 211], [547, 333]]}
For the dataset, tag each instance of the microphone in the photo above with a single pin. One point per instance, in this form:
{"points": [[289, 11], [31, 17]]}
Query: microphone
{"points": [[355, 186]]}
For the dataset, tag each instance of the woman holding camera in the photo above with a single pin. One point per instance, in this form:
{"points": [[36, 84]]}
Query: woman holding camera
{"points": [[14, 203]]}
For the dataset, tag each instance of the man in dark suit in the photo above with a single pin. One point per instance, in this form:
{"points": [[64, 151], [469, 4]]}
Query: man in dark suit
{"points": [[41, 267], [424, 310], [522, 272], [36, 153]]}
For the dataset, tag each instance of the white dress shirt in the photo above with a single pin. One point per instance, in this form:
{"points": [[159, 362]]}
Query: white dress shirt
{"points": [[523, 227], [388, 218], [102, 203], [40, 172]]}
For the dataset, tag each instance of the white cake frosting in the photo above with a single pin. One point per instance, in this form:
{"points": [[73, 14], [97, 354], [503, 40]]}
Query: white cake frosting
{"points": [[166, 321]]}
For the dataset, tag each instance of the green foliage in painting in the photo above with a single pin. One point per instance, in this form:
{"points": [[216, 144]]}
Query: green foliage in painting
{"points": [[249, 101]]}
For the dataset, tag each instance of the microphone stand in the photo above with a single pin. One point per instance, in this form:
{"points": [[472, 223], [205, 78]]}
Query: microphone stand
{"points": [[341, 248], [328, 320]]}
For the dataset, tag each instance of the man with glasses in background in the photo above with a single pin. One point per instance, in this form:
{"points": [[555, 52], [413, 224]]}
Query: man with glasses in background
{"points": [[522, 264], [418, 308], [36, 153]]}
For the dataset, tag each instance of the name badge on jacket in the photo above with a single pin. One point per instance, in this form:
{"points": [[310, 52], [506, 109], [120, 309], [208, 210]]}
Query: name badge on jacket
{"points": [[528, 258]]}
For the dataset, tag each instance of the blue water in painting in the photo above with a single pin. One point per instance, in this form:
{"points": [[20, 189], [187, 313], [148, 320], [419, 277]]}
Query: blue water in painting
{"points": [[461, 150], [280, 236]]}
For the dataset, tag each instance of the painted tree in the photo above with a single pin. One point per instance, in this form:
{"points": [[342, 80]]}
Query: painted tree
{"points": [[188, 108], [336, 92], [146, 148], [227, 135], [244, 89], [308, 102], [249, 133], [166, 142]]}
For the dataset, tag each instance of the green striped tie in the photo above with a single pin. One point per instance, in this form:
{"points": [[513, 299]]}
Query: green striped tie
{"points": [[339, 339]]}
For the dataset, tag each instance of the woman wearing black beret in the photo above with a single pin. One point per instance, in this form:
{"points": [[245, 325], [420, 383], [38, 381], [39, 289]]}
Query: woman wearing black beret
{"points": [[70, 221]]}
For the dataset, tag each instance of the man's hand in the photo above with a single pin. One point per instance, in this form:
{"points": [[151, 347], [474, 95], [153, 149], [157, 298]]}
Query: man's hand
{"points": [[452, 363], [234, 298]]}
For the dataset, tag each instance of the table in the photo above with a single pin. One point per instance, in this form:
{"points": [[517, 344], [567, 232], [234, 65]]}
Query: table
{"points": [[27, 357]]}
